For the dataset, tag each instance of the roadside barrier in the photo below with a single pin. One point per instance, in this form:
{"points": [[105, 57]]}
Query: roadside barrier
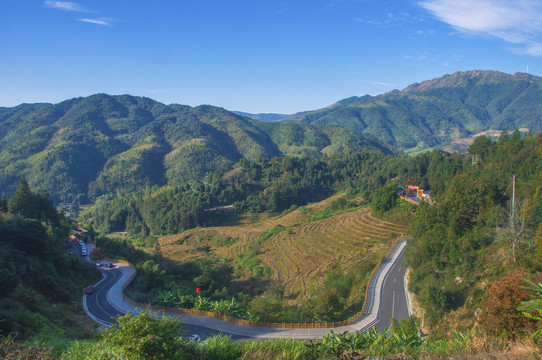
{"points": [[367, 307]]}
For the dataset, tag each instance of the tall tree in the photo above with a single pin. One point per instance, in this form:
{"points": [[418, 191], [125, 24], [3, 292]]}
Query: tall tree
{"points": [[22, 202], [4, 204]]}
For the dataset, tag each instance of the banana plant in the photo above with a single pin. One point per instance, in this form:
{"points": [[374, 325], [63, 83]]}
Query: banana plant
{"points": [[528, 308]]}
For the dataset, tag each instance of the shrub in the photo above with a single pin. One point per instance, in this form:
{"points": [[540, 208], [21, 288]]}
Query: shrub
{"points": [[502, 317], [146, 337], [9, 349], [220, 347], [532, 309]]}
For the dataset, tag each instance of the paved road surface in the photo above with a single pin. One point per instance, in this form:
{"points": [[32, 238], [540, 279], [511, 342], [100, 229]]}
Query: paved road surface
{"points": [[394, 304], [386, 299], [97, 303], [103, 312]]}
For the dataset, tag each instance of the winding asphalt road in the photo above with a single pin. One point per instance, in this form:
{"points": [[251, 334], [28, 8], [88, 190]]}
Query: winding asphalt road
{"points": [[97, 304], [102, 311], [386, 299]]}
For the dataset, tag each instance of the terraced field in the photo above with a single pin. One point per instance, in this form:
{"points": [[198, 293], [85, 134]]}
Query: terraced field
{"points": [[303, 256], [246, 229], [303, 253]]}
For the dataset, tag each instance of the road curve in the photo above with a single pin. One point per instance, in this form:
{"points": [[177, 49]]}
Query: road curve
{"points": [[386, 299], [99, 307]]}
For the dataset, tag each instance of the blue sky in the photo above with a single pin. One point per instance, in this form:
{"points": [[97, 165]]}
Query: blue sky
{"points": [[256, 55]]}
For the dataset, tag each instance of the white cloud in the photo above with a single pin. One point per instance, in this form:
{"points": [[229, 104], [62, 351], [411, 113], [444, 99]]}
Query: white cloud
{"points": [[64, 5], [100, 21], [71, 6], [518, 22]]}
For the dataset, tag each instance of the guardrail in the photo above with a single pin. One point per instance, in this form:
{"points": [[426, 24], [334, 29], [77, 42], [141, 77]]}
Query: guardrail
{"points": [[367, 307]]}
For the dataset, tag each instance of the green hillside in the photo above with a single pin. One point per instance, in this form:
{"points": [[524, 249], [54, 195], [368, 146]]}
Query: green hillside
{"points": [[438, 111], [41, 284], [99, 145]]}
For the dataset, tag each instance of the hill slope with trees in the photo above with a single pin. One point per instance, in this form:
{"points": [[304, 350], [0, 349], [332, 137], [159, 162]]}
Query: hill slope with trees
{"points": [[470, 249], [99, 145], [41, 285], [438, 111]]}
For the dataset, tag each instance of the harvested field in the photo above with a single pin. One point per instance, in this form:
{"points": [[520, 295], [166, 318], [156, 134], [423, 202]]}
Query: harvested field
{"points": [[303, 253]]}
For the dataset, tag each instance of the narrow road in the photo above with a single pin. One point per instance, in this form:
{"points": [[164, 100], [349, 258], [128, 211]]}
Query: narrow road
{"points": [[97, 303], [386, 299], [394, 303], [102, 311]]}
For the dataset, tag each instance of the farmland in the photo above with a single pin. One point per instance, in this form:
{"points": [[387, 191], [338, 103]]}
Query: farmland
{"points": [[304, 255], [300, 252]]}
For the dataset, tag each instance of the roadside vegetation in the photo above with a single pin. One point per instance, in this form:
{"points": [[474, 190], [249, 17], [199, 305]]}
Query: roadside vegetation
{"points": [[145, 337], [40, 285]]}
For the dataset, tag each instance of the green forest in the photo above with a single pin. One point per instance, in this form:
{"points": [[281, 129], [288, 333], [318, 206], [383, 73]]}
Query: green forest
{"points": [[272, 185], [41, 284], [481, 228]]}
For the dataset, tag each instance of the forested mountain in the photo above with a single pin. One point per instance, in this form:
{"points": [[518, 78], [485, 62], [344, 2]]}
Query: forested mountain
{"points": [[438, 111], [87, 147]]}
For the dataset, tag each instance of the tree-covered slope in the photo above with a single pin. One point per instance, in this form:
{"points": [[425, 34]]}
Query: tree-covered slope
{"points": [[469, 250], [41, 285], [440, 110], [99, 145]]}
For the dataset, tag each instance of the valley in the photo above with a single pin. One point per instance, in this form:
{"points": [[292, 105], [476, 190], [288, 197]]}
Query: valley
{"points": [[283, 221], [271, 180]]}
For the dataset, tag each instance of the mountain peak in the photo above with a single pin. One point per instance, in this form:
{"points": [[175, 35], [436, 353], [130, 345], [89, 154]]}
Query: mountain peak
{"points": [[458, 79]]}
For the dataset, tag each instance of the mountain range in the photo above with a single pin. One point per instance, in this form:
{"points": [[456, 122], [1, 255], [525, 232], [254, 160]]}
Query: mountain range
{"points": [[436, 112], [101, 144], [98, 145]]}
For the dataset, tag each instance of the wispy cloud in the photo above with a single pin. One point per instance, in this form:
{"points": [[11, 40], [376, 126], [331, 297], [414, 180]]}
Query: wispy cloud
{"points": [[420, 57], [98, 21], [391, 18], [381, 83], [64, 5], [71, 6], [517, 22]]}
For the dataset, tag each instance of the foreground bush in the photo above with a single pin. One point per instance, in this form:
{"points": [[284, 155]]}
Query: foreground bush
{"points": [[338, 346], [146, 337]]}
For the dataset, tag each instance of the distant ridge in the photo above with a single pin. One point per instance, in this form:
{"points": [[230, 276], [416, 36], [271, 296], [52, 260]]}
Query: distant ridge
{"points": [[267, 117], [438, 111]]}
